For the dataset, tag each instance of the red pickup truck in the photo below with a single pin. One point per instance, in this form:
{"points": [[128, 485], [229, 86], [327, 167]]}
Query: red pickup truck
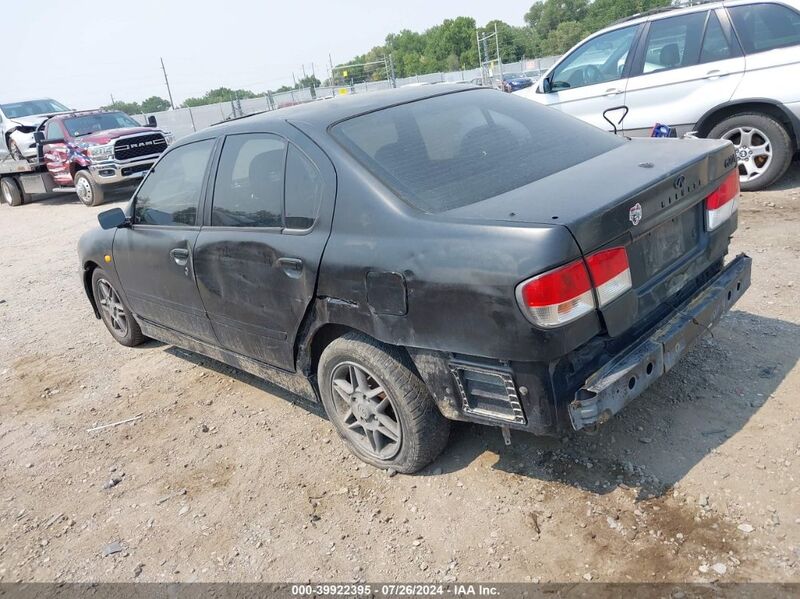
{"points": [[89, 151]]}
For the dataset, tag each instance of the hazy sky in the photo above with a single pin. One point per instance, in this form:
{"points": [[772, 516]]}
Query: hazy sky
{"points": [[81, 52]]}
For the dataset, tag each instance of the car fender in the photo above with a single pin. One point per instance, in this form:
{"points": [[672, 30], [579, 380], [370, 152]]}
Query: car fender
{"points": [[706, 122]]}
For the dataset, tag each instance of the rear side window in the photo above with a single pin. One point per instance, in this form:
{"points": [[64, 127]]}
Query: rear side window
{"points": [[171, 192], [715, 44], [248, 191], [461, 148], [673, 42], [762, 27], [303, 190]]}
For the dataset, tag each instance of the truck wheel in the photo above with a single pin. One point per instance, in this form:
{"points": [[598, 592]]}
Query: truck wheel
{"points": [[763, 148], [379, 405], [115, 314], [89, 192], [11, 192]]}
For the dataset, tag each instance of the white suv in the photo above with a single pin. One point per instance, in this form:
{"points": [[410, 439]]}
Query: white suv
{"points": [[724, 69]]}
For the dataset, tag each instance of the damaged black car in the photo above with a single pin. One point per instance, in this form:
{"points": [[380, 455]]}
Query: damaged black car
{"points": [[428, 254]]}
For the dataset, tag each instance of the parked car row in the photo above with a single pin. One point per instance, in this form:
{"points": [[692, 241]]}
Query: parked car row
{"points": [[725, 70]]}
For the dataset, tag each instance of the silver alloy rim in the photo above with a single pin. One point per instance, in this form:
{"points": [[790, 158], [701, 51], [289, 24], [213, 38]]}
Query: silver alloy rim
{"points": [[366, 410], [753, 151], [112, 307], [84, 190], [6, 192]]}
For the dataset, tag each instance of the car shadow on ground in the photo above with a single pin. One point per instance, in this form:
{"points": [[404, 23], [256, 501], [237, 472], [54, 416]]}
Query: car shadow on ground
{"points": [[706, 399], [60, 199]]}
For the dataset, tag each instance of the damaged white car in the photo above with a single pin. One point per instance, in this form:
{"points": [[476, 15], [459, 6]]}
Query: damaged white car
{"points": [[20, 120]]}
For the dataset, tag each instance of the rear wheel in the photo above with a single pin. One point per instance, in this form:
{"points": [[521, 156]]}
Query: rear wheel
{"points": [[89, 192], [115, 314], [379, 406], [11, 193], [763, 148]]}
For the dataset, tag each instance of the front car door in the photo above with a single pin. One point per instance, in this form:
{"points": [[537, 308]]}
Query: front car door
{"points": [[592, 78], [687, 65], [56, 155], [153, 257], [258, 253]]}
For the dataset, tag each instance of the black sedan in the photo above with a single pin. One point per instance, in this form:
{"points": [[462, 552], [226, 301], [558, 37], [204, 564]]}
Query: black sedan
{"points": [[513, 82], [420, 255]]}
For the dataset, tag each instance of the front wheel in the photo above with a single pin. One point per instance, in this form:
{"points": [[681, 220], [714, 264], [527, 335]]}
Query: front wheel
{"points": [[11, 193], [762, 145], [380, 407], [89, 192], [115, 314]]}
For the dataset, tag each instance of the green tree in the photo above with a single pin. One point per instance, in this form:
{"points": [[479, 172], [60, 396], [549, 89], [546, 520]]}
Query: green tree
{"points": [[154, 104], [220, 94], [126, 107]]}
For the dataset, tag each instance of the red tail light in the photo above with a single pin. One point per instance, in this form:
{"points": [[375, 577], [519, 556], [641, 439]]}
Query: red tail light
{"points": [[610, 273], [723, 201], [557, 297]]}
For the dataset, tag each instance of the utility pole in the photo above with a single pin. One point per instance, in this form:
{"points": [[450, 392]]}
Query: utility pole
{"points": [[166, 80], [330, 60], [499, 59], [112, 100]]}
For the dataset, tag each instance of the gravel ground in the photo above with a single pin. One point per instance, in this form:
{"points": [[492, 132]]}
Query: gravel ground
{"points": [[226, 478]]}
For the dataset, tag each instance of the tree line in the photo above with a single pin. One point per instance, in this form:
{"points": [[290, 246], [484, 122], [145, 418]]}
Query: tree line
{"points": [[551, 28]]}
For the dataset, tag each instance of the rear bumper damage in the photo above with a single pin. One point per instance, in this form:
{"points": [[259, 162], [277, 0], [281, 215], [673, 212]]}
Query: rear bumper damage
{"points": [[632, 371]]}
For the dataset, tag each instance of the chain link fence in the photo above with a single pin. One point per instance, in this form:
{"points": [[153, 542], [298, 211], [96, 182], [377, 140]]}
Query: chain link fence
{"points": [[185, 121]]}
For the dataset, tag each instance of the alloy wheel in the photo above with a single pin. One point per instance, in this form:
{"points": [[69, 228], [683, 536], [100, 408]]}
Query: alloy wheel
{"points": [[366, 410], [753, 151], [112, 307]]}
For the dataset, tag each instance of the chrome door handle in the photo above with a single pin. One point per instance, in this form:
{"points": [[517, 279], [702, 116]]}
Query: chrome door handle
{"points": [[613, 91], [180, 256], [293, 267], [714, 74]]}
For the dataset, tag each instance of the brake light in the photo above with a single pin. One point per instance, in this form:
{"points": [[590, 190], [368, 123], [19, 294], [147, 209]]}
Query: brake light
{"points": [[723, 201], [610, 273], [557, 297]]}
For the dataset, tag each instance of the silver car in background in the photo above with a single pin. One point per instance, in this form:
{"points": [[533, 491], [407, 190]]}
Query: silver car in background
{"points": [[20, 120], [727, 70]]}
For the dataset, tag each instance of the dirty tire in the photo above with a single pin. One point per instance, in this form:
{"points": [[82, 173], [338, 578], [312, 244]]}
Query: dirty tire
{"points": [[10, 192], [777, 138], [424, 429], [130, 335], [89, 192]]}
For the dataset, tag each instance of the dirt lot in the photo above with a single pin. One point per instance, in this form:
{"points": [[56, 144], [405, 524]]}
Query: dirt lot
{"points": [[224, 479]]}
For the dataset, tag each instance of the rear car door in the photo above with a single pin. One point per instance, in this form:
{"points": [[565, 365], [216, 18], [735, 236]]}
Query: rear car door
{"points": [[592, 78], [258, 253], [153, 257], [687, 65]]}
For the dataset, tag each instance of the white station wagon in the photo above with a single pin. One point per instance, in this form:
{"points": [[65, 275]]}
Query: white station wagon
{"points": [[728, 70]]}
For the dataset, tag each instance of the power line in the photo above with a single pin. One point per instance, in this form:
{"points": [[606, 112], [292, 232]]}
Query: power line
{"points": [[166, 80]]}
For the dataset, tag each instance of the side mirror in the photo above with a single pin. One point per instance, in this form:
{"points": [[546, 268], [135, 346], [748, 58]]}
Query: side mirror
{"points": [[113, 219], [38, 136], [151, 121], [547, 85]]}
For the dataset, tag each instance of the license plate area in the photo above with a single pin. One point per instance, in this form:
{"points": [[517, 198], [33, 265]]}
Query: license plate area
{"points": [[666, 243]]}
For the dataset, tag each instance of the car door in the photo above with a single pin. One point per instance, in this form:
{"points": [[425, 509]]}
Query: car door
{"points": [[258, 253], [153, 257], [56, 155], [687, 65], [770, 35], [592, 78]]}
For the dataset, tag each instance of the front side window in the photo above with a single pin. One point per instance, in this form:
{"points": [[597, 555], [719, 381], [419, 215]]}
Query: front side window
{"points": [[304, 190], [249, 187], [448, 151], [171, 192], [53, 131], [674, 42], [762, 27], [599, 60]]}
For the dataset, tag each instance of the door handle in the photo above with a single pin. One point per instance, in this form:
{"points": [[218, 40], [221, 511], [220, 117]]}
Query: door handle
{"points": [[613, 91], [291, 266], [714, 74], [180, 255]]}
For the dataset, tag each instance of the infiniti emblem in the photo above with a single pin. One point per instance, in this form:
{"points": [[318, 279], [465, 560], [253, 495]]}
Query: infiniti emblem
{"points": [[679, 181]]}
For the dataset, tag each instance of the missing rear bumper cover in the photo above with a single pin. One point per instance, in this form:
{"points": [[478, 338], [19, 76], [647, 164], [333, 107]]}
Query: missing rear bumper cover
{"points": [[488, 392]]}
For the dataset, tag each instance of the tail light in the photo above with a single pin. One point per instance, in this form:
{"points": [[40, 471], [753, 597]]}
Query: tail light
{"points": [[610, 273], [723, 201], [557, 297], [565, 294]]}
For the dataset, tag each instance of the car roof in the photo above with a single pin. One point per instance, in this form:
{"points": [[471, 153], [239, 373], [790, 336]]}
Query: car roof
{"points": [[685, 8], [321, 114]]}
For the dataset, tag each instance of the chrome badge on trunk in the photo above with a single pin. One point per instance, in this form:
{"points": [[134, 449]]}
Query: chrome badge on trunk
{"points": [[635, 214]]}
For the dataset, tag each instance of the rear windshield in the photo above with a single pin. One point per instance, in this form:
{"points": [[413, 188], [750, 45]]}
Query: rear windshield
{"points": [[450, 151]]}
